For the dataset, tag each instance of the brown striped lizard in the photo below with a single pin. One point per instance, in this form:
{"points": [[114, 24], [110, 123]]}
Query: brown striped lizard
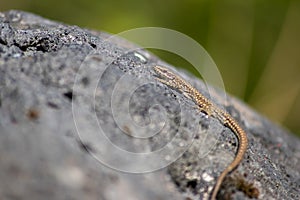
{"points": [[206, 106]]}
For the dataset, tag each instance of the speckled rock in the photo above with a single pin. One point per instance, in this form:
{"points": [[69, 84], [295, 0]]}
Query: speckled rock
{"points": [[83, 117]]}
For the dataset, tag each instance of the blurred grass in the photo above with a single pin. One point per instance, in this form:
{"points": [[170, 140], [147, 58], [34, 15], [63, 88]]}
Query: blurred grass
{"points": [[255, 44]]}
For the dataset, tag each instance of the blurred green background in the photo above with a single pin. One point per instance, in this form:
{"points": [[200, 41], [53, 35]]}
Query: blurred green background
{"points": [[255, 44]]}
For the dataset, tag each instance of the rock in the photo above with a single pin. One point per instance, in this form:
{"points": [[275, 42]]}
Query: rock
{"points": [[83, 117]]}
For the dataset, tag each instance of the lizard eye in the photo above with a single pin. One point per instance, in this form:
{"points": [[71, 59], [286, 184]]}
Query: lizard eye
{"points": [[170, 75]]}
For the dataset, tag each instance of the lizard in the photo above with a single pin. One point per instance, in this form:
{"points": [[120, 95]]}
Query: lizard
{"points": [[207, 107]]}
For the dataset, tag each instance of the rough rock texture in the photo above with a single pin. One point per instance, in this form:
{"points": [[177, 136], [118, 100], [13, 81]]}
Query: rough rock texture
{"points": [[80, 115]]}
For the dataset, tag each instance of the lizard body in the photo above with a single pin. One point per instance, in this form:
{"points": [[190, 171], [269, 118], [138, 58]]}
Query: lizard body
{"points": [[167, 77]]}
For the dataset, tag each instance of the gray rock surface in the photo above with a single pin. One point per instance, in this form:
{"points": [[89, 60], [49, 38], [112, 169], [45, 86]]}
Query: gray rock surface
{"points": [[82, 117]]}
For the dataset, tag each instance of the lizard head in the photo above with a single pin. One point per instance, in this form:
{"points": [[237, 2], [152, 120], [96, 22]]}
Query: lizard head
{"points": [[165, 76], [164, 73]]}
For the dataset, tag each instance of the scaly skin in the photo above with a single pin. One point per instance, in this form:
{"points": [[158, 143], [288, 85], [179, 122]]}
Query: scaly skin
{"points": [[167, 77]]}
